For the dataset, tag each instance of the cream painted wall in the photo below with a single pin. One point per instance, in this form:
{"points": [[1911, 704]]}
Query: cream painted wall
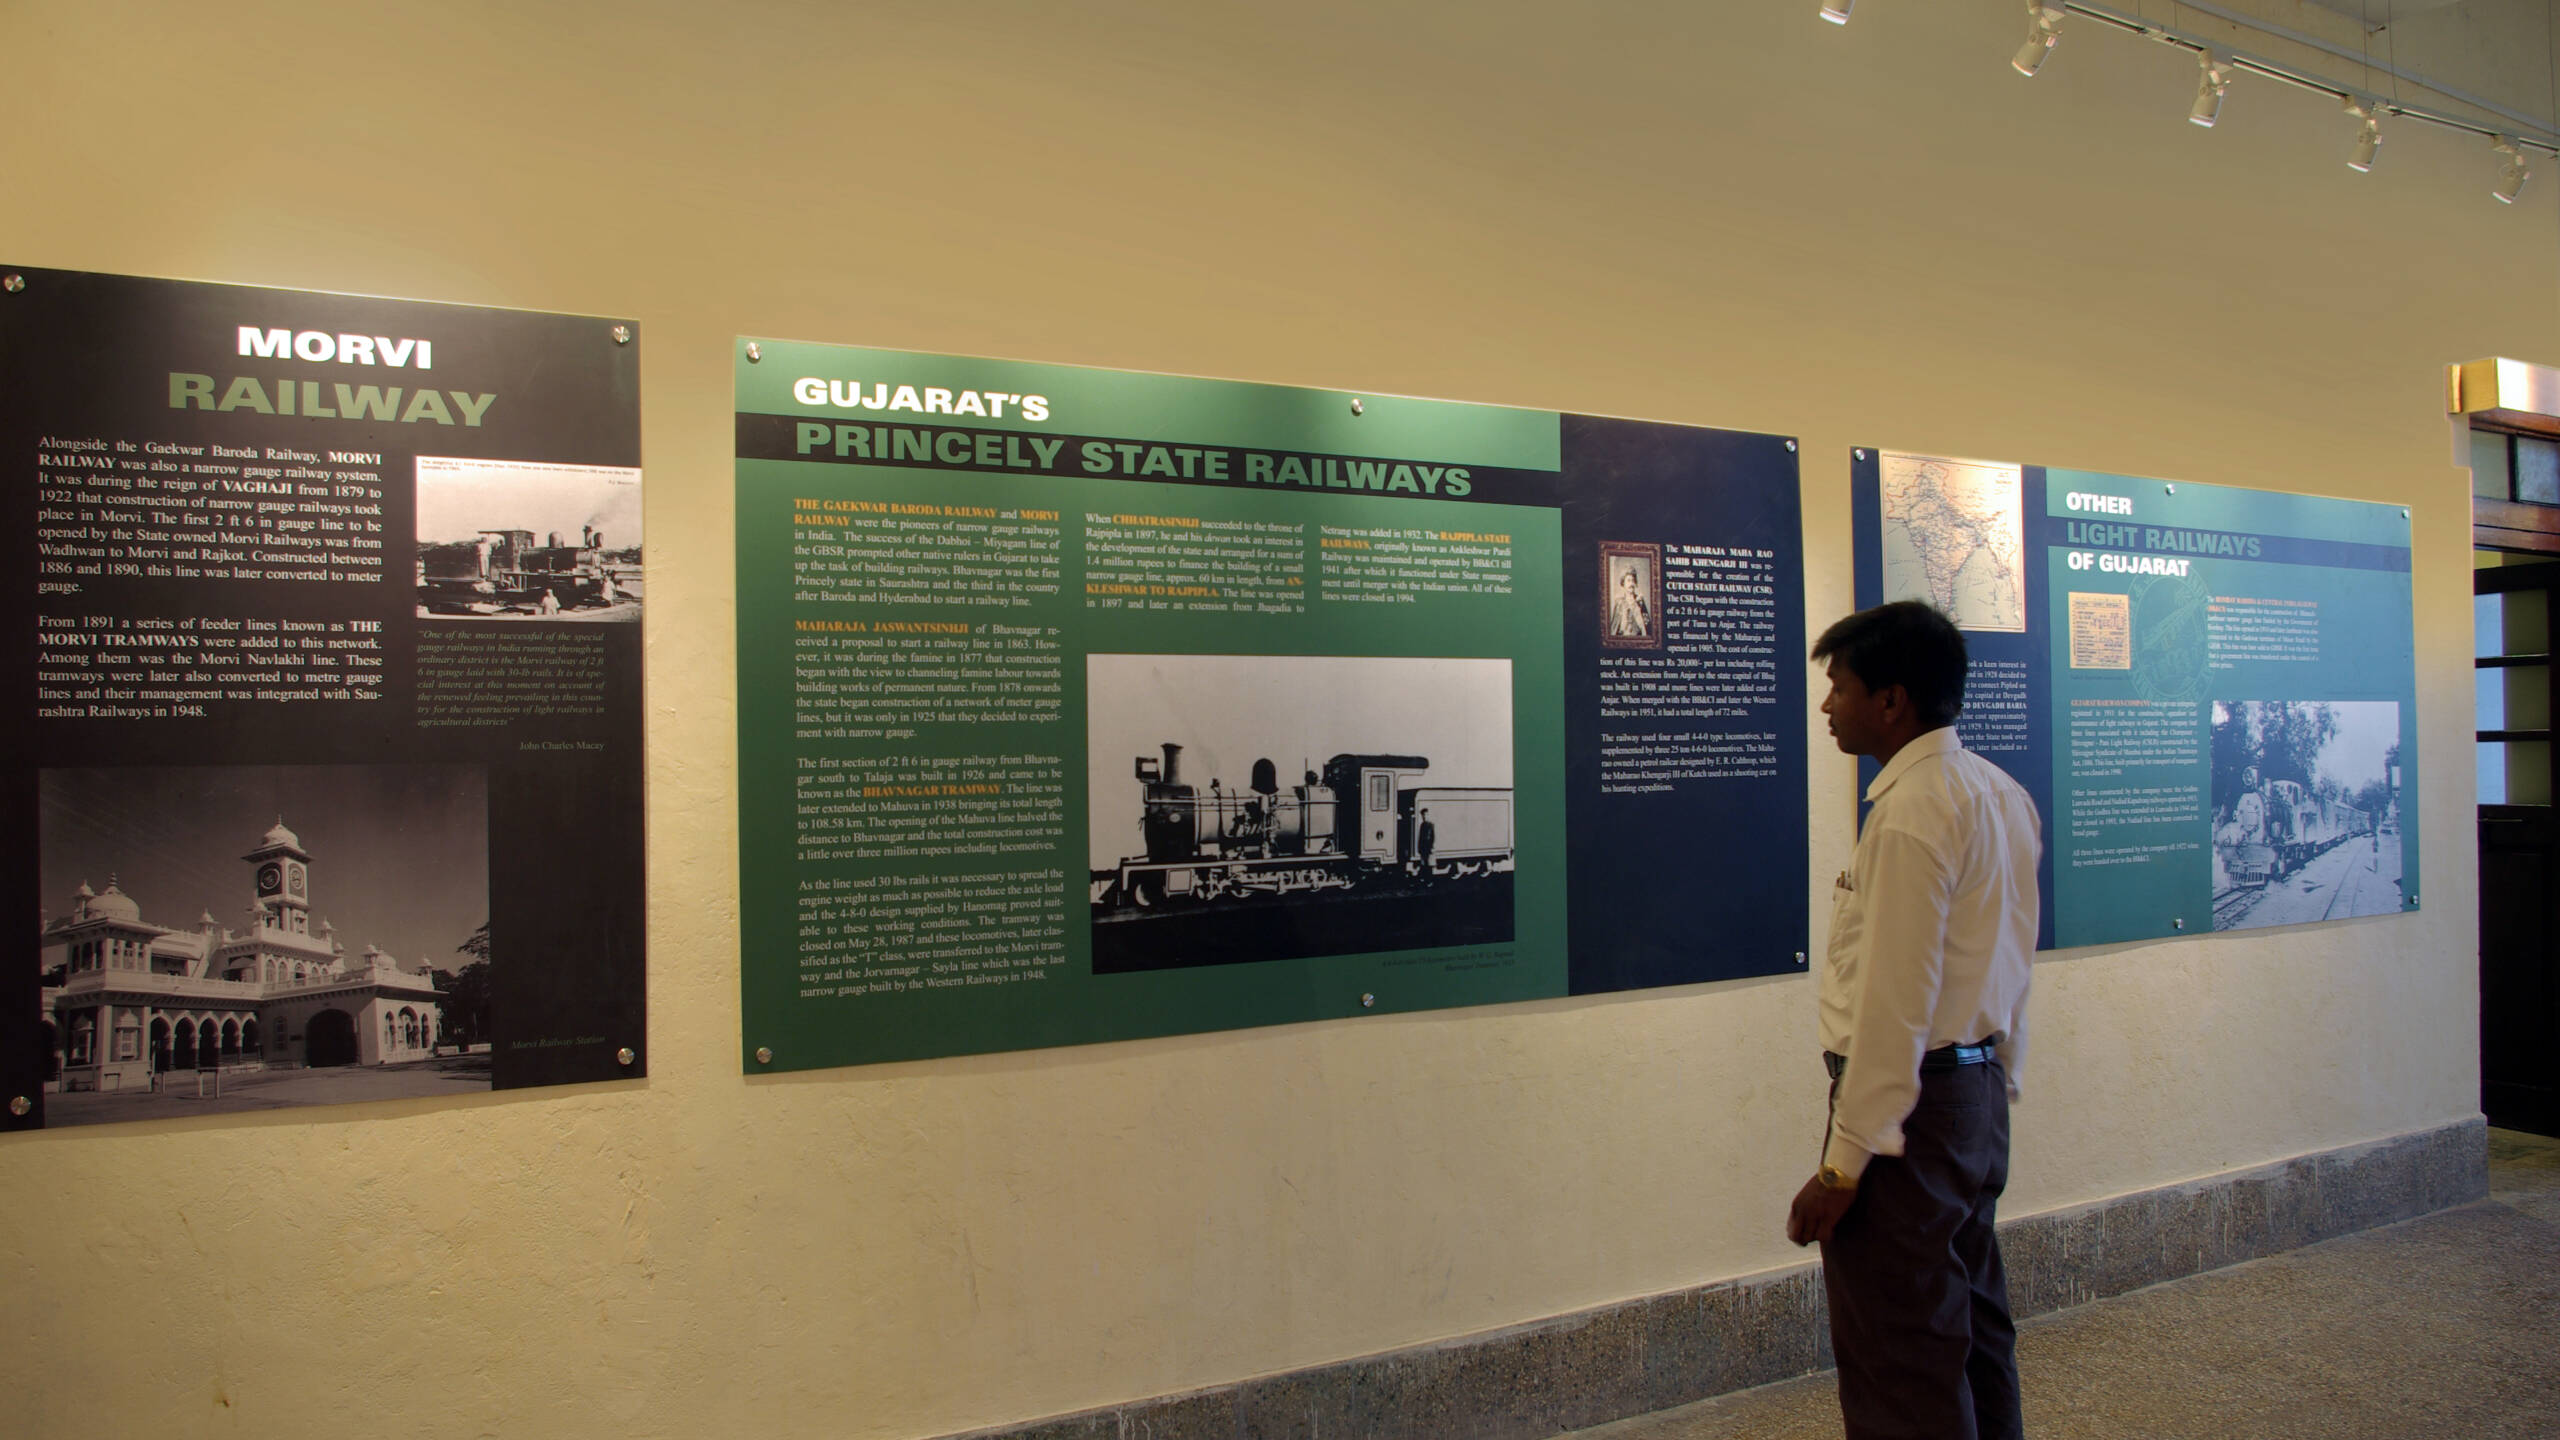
{"points": [[1726, 214]]}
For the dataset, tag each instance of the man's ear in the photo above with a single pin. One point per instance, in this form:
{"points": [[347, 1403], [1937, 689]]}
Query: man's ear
{"points": [[1895, 700]]}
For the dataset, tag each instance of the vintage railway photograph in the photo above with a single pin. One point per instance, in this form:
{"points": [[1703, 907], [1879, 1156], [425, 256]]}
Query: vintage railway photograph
{"points": [[2306, 811], [238, 937], [522, 540], [1268, 807]]}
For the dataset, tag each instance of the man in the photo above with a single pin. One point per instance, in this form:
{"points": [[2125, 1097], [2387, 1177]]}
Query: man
{"points": [[1629, 615], [1923, 1023], [1425, 836]]}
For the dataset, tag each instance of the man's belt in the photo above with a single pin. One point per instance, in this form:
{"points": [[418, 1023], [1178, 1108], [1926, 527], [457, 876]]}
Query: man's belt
{"points": [[1945, 1057]]}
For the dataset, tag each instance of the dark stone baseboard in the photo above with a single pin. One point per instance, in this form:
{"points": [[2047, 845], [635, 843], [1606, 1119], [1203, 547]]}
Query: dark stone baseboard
{"points": [[1594, 1366]]}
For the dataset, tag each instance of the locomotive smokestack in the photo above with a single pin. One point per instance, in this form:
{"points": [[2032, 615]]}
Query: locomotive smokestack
{"points": [[1172, 763]]}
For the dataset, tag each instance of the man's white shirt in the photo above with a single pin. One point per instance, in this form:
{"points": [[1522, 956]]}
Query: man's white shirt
{"points": [[1933, 933]]}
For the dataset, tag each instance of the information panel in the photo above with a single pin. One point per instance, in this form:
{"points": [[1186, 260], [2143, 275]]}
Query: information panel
{"points": [[1078, 705], [2211, 692], [323, 670]]}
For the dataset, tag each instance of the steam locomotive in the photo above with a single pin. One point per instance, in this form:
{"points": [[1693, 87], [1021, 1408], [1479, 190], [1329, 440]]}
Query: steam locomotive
{"points": [[1357, 822], [2276, 827], [504, 570]]}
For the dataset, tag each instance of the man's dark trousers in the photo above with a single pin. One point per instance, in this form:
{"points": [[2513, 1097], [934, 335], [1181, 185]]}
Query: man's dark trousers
{"points": [[1919, 1305]]}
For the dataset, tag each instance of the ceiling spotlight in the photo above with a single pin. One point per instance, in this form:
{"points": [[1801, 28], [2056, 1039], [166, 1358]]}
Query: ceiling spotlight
{"points": [[2213, 76], [2514, 173], [2368, 135], [2044, 31], [1837, 11]]}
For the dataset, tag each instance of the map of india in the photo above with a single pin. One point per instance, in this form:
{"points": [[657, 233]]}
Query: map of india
{"points": [[1953, 536]]}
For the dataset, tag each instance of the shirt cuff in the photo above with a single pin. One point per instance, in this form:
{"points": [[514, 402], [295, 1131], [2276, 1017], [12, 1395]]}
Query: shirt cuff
{"points": [[1846, 1155]]}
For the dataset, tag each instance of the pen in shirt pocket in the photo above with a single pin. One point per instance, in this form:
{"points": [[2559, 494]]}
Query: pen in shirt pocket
{"points": [[1845, 883]]}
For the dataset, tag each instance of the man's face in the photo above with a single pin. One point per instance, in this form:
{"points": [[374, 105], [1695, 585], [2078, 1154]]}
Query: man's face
{"points": [[1858, 715]]}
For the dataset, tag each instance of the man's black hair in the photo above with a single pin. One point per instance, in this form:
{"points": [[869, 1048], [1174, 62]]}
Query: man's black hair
{"points": [[1906, 643]]}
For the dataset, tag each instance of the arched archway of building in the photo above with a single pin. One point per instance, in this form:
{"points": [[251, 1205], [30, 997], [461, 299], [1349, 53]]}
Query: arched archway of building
{"points": [[159, 1044], [208, 1045], [230, 1037], [329, 1039], [183, 1057], [249, 1037]]}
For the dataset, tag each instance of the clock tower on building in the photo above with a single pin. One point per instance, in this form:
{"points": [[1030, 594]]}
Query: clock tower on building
{"points": [[282, 873]]}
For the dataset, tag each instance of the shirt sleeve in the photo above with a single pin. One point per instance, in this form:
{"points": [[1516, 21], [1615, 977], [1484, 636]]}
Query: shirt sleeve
{"points": [[1904, 883]]}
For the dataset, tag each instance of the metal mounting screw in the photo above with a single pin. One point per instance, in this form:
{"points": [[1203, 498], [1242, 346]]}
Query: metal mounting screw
{"points": [[1799, 957], [1791, 447], [621, 334], [2404, 514], [755, 352], [1857, 454], [764, 1054], [2169, 489], [13, 285], [19, 1104], [626, 1055], [1356, 406], [1367, 1000], [2178, 924]]}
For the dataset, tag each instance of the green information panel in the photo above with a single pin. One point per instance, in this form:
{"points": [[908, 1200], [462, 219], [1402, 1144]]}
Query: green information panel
{"points": [[1079, 705], [2210, 691]]}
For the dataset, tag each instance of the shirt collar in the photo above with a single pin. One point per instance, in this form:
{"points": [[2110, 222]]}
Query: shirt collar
{"points": [[1927, 744]]}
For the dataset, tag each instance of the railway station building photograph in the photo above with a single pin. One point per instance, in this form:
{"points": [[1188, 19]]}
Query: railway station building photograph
{"points": [[138, 1003]]}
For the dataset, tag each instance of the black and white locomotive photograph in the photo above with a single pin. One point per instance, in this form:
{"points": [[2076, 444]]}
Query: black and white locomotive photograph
{"points": [[1270, 807], [223, 938], [520, 540], [2306, 811]]}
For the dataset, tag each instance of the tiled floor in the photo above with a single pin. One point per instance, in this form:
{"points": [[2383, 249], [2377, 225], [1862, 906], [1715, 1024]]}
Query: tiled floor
{"points": [[2445, 1327]]}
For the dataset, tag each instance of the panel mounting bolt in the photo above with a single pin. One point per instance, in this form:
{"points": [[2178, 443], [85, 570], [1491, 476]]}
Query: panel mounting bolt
{"points": [[621, 334], [19, 1104], [764, 1054], [2169, 489], [1356, 406], [2179, 923], [2404, 514], [626, 1055], [1857, 454], [1799, 957], [1791, 447], [13, 285], [1367, 1001], [755, 352]]}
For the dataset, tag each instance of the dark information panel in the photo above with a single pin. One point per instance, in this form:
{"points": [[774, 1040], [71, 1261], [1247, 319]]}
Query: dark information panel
{"points": [[1080, 705], [323, 642]]}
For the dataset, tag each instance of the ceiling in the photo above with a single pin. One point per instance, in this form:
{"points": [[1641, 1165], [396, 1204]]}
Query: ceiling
{"points": [[2375, 12]]}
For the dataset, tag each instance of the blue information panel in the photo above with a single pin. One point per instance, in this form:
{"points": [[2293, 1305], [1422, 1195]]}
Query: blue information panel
{"points": [[2210, 691]]}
